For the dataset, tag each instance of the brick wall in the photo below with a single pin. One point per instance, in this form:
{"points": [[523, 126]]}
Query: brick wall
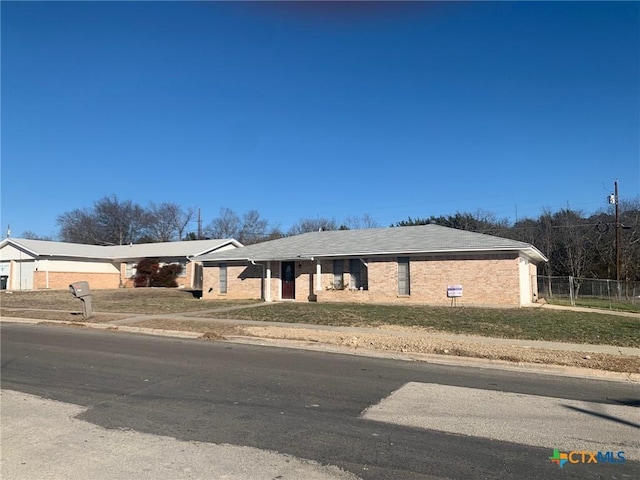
{"points": [[486, 280], [305, 272], [243, 282], [490, 280], [62, 280]]}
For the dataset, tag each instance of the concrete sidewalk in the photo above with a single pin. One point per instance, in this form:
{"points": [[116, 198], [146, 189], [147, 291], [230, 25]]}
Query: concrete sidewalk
{"points": [[603, 311]]}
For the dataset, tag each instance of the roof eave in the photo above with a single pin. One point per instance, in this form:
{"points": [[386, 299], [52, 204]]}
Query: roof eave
{"points": [[535, 255], [9, 241], [217, 247]]}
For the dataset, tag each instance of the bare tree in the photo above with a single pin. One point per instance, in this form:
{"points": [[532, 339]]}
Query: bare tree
{"points": [[227, 225], [122, 222], [570, 245], [248, 229], [109, 222], [34, 236], [253, 228], [305, 225], [273, 233], [168, 221], [354, 222], [80, 226], [183, 218], [546, 238]]}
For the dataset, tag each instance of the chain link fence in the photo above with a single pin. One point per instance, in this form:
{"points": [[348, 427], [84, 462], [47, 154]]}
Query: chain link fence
{"points": [[589, 292]]}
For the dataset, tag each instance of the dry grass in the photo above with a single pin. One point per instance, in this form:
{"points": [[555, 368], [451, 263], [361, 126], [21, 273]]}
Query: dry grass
{"points": [[124, 300], [520, 323]]}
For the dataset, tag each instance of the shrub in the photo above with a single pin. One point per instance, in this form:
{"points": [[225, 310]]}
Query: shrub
{"points": [[150, 274], [166, 276]]}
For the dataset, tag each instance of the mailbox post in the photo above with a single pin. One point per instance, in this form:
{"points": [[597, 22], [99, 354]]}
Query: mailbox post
{"points": [[81, 290]]}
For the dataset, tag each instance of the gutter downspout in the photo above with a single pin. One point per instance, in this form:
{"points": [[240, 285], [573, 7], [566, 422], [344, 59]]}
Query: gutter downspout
{"points": [[318, 276], [191, 279], [267, 289]]}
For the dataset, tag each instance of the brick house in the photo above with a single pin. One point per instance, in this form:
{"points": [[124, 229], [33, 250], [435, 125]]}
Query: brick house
{"points": [[427, 264], [27, 264]]}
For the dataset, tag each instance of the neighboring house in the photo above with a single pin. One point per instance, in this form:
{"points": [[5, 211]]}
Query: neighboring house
{"points": [[38, 264], [423, 264]]}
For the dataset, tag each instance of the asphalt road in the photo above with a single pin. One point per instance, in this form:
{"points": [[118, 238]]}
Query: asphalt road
{"points": [[305, 404]]}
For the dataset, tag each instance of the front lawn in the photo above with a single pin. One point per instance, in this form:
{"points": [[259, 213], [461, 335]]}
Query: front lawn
{"points": [[522, 323]]}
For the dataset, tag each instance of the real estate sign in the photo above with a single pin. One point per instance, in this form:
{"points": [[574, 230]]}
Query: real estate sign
{"points": [[454, 291]]}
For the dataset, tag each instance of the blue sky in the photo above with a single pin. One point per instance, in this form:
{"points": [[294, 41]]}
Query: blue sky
{"points": [[306, 110]]}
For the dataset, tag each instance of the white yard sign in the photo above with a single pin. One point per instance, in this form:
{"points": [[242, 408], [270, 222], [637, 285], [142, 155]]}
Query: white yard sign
{"points": [[454, 291]]}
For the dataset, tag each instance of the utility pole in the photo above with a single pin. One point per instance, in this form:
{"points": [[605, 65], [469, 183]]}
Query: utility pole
{"points": [[199, 237], [614, 199], [617, 234]]}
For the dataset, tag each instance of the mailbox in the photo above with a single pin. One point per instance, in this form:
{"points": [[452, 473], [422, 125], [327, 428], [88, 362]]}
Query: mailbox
{"points": [[81, 290]]}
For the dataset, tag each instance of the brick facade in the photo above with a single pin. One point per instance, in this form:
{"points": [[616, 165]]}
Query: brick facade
{"points": [[243, 282], [489, 280], [486, 280], [62, 280]]}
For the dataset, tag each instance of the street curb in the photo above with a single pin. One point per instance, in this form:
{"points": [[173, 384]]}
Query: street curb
{"points": [[546, 369], [474, 362], [106, 326]]}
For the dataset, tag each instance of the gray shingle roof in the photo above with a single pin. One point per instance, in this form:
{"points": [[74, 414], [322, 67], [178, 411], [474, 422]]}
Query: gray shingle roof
{"points": [[119, 252], [376, 241]]}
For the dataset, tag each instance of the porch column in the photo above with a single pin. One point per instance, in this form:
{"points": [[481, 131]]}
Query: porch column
{"points": [[267, 286], [318, 276]]}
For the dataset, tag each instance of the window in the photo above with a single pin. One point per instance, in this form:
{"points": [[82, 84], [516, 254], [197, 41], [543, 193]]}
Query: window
{"points": [[404, 279], [130, 270], [359, 274], [183, 272], [223, 278], [338, 274]]}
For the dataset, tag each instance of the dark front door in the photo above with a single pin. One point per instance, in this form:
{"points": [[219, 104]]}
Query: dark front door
{"points": [[288, 280]]}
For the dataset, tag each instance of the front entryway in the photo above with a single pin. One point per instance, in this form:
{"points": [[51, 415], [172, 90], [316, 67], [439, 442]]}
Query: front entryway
{"points": [[288, 276]]}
